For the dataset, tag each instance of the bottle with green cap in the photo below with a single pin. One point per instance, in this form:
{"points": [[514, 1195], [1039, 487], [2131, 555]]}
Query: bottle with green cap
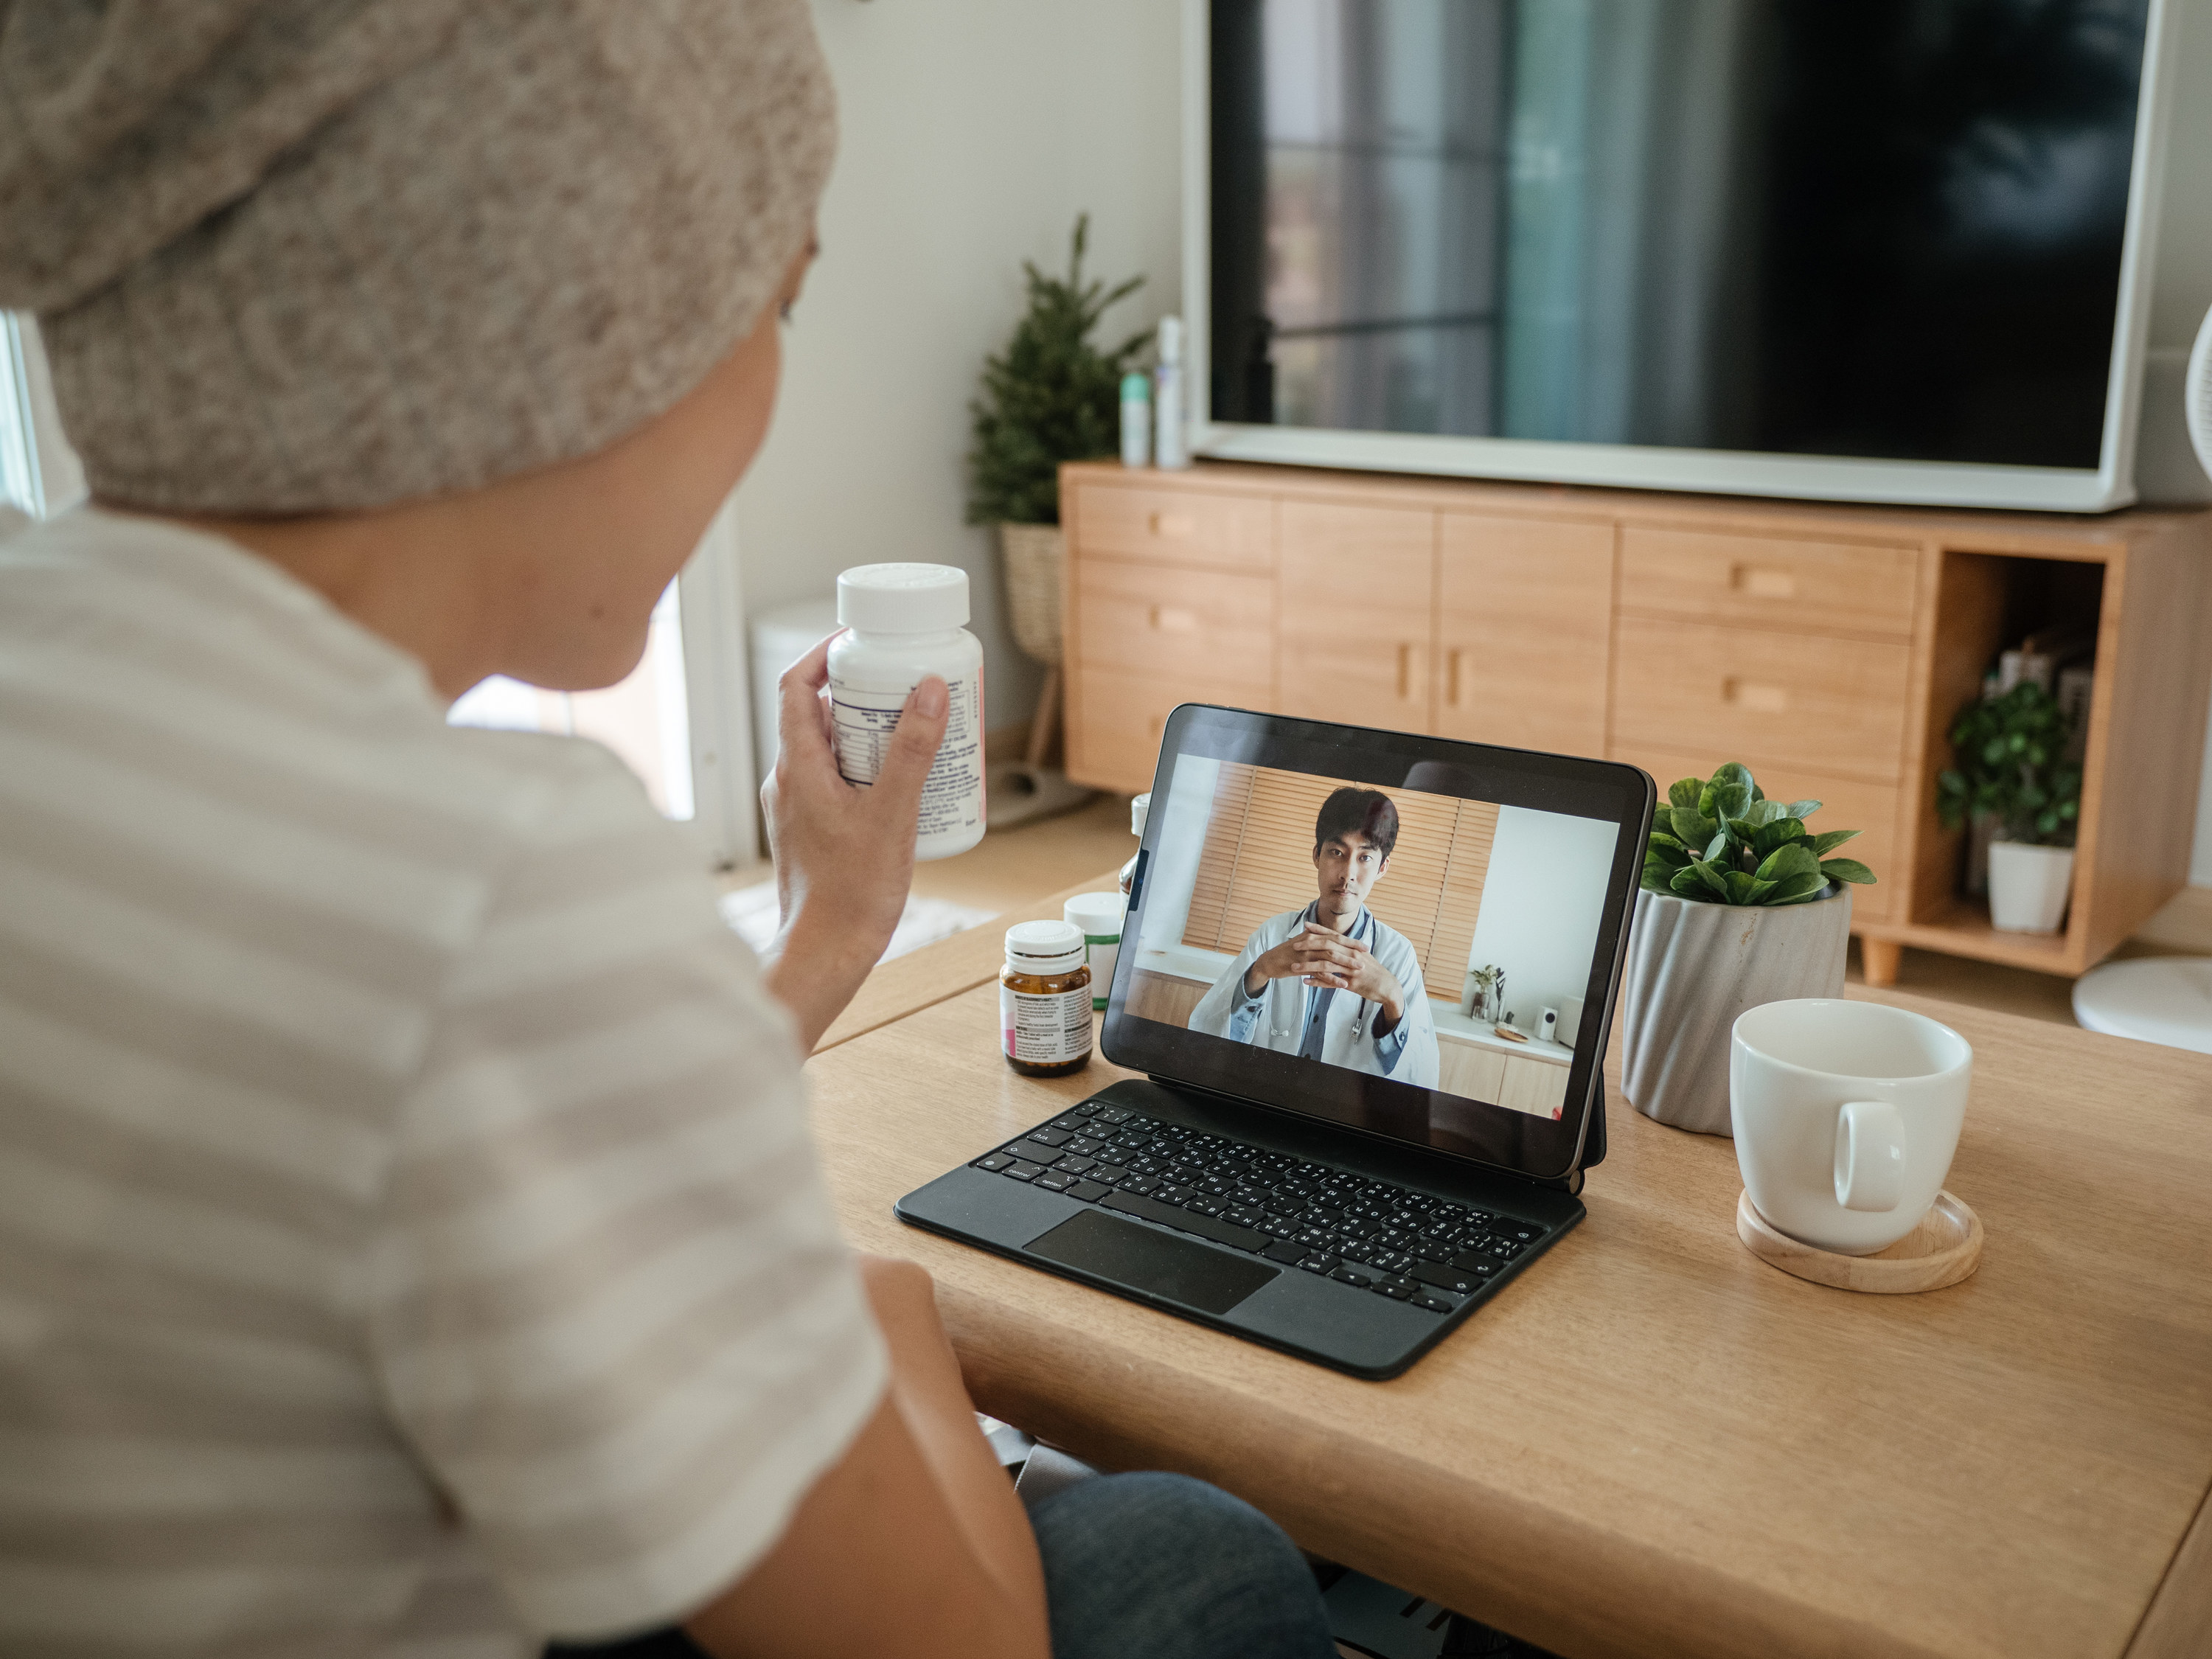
{"points": [[1136, 419]]}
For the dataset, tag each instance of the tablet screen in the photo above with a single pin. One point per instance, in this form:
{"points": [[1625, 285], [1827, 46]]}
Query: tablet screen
{"points": [[1416, 961]]}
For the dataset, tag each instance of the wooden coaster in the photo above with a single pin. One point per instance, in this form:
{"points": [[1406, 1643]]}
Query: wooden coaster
{"points": [[1944, 1249]]}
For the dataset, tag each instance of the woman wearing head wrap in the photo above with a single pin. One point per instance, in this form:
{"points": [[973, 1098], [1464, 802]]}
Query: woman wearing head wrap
{"points": [[409, 1234]]}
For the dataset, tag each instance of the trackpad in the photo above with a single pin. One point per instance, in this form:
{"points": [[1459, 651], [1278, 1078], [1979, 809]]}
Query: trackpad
{"points": [[1214, 1281]]}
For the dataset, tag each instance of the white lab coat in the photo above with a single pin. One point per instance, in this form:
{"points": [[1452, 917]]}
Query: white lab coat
{"points": [[1348, 1038]]}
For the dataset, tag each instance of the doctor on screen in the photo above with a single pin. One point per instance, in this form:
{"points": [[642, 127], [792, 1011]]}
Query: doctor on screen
{"points": [[1328, 981]]}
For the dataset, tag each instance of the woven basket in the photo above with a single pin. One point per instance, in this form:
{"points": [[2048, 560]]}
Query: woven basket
{"points": [[1034, 554]]}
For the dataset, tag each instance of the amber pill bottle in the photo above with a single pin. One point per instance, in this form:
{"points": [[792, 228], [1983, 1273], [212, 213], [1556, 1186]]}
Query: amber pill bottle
{"points": [[1044, 1000]]}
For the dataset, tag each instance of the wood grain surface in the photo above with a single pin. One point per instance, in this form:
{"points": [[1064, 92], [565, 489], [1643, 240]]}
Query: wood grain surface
{"points": [[1654, 1444]]}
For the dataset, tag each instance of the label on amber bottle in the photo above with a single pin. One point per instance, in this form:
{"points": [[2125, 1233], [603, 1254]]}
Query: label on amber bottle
{"points": [[1044, 1028]]}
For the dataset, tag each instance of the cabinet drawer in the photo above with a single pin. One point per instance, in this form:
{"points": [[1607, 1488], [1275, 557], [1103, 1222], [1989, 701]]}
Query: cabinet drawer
{"points": [[1115, 720], [1176, 526], [1845, 804], [1750, 694], [1356, 616], [1158, 620], [1711, 576], [1524, 627]]}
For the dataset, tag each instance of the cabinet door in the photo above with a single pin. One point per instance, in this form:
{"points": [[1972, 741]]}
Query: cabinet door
{"points": [[1524, 621], [1355, 609]]}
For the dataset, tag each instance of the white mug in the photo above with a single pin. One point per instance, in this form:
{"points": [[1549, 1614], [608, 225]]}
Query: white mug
{"points": [[1845, 1116]]}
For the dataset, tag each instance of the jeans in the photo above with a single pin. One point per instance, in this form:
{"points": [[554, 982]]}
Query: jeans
{"points": [[1142, 1566]]}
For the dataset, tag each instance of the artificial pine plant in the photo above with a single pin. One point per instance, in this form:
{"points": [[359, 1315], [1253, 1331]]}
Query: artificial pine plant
{"points": [[1051, 396]]}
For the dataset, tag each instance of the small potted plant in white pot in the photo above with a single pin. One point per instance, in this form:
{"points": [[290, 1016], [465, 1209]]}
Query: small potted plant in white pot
{"points": [[2013, 774], [1740, 905]]}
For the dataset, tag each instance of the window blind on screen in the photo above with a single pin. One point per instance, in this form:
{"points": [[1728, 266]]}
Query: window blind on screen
{"points": [[1257, 862]]}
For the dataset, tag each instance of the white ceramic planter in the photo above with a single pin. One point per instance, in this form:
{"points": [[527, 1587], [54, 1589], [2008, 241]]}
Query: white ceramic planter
{"points": [[1693, 968], [2028, 886]]}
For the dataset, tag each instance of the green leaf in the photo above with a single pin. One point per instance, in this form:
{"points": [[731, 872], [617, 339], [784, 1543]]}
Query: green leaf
{"points": [[1717, 847], [1780, 833], [1765, 811], [1735, 774], [1806, 884], [1803, 809], [1691, 828], [1671, 857], [1730, 800], [1790, 859], [1700, 881], [1661, 838], [1684, 791], [1656, 877], [1741, 887], [1847, 870], [1822, 844]]}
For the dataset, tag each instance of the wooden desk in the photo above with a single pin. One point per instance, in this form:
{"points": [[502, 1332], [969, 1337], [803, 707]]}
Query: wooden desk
{"points": [[1655, 1443]]}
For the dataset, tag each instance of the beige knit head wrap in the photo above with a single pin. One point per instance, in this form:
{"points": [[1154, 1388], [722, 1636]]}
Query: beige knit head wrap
{"points": [[297, 256]]}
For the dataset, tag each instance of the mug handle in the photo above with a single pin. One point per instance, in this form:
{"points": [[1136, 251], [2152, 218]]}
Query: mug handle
{"points": [[1870, 1156]]}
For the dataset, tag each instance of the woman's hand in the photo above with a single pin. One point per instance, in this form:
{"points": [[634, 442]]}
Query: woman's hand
{"points": [[843, 852]]}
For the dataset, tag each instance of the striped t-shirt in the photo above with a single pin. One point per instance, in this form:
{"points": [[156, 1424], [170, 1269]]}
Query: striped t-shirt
{"points": [[409, 1238]]}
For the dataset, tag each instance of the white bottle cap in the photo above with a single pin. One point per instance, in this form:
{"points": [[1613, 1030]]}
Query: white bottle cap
{"points": [[1139, 806], [1098, 914], [903, 598], [1171, 339], [1044, 947]]}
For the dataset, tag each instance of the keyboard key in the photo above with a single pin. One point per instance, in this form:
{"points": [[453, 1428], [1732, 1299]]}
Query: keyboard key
{"points": [[1392, 1288], [1089, 1108], [1430, 1249], [1173, 1192], [1047, 1136], [1052, 1182], [1074, 1166], [1391, 1262], [1074, 1123], [1447, 1278], [1089, 1191], [1319, 1264], [1206, 1227], [1112, 1174], [1432, 1301], [1083, 1146], [995, 1162], [1478, 1265], [1520, 1232], [1316, 1238], [1137, 1183], [1276, 1227], [1357, 1277], [1204, 1205], [1112, 1115], [1034, 1152], [1289, 1254], [1504, 1248], [1352, 1250], [1399, 1282], [1246, 1218], [1021, 1169]]}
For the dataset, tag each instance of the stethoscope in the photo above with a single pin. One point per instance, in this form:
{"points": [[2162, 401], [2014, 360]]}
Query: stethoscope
{"points": [[1361, 934]]}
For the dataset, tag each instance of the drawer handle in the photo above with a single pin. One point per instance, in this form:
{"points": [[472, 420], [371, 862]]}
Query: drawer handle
{"points": [[1763, 583], [1405, 671], [1166, 619], [1169, 524], [1756, 698], [1451, 676]]}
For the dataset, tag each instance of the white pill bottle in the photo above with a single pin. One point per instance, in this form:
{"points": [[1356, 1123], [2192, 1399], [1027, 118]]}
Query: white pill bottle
{"points": [[904, 622]]}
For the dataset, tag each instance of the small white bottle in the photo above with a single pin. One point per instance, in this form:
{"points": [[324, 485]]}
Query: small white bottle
{"points": [[1170, 448], [904, 622], [1136, 420]]}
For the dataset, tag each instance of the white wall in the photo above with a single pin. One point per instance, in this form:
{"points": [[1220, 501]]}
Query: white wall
{"points": [[1182, 842], [972, 133], [1542, 900]]}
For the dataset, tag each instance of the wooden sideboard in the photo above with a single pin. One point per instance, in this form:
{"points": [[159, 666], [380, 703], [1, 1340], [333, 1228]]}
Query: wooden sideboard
{"points": [[1826, 646]]}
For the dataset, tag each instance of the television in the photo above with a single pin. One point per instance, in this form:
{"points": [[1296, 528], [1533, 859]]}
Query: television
{"points": [[1893, 250]]}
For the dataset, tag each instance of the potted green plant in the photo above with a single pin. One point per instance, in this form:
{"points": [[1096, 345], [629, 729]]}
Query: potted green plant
{"points": [[2012, 774], [1050, 396], [1741, 904]]}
